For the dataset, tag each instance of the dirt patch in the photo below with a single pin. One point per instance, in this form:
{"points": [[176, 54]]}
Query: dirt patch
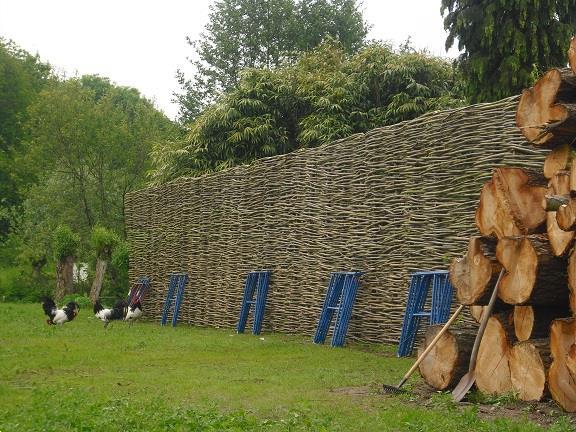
{"points": [[544, 413]]}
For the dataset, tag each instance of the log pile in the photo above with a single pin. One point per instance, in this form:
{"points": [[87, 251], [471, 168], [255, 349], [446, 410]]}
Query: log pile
{"points": [[527, 225]]}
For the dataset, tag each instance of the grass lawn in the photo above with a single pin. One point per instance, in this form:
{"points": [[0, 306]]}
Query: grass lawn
{"points": [[80, 377]]}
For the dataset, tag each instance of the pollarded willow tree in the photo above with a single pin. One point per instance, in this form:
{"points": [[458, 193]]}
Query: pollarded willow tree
{"points": [[326, 95], [506, 44]]}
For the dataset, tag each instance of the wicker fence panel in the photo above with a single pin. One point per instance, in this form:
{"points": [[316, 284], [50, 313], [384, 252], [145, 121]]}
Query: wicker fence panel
{"points": [[390, 201]]}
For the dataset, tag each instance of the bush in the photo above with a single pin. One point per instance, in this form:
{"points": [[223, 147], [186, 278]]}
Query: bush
{"points": [[83, 301], [65, 241], [104, 241], [18, 285]]}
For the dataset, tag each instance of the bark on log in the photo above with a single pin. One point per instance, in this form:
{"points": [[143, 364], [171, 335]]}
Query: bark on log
{"points": [[473, 275], [511, 203], [476, 311], [572, 281], [560, 240], [566, 216], [545, 115], [492, 366], [560, 158], [533, 274], [573, 180], [554, 202], [561, 383], [529, 361], [447, 362], [534, 322]]}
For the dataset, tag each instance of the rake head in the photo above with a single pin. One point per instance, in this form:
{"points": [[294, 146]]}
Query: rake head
{"points": [[390, 389]]}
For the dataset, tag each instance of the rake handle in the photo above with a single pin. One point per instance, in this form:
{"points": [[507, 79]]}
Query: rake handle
{"points": [[429, 347]]}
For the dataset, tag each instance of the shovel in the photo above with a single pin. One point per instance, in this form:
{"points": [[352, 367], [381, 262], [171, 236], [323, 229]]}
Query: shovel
{"points": [[468, 380], [398, 389]]}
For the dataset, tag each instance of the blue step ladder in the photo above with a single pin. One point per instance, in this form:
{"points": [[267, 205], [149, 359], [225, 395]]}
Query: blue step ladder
{"points": [[340, 298], [439, 312], [256, 282], [176, 284]]}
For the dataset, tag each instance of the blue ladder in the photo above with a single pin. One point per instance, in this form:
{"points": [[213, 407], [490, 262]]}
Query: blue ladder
{"points": [[439, 312], [340, 298], [255, 281], [176, 285]]}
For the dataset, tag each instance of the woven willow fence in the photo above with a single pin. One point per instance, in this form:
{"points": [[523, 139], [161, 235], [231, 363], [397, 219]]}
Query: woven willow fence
{"points": [[390, 201]]}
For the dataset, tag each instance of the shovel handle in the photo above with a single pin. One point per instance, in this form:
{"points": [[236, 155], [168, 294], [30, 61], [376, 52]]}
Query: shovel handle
{"points": [[486, 315], [429, 347]]}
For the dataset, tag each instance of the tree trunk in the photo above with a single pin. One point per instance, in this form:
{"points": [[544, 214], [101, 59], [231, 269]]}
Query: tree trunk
{"points": [[98, 279], [566, 216], [447, 362], [533, 274], [534, 322], [560, 381], [529, 361], [572, 54], [473, 275], [560, 158], [492, 367], [64, 278], [545, 115], [511, 203]]}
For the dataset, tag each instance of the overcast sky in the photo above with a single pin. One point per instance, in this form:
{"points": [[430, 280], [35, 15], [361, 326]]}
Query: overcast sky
{"points": [[142, 43]]}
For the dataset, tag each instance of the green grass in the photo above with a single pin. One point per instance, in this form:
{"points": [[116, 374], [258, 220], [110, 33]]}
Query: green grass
{"points": [[80, 377]]}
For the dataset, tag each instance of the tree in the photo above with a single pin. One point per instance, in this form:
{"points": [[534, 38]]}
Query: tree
{"points": [[244, 34], [507, 44], [66, 244], [93, 139], [22, 76], [327, 94], [104, 242]]}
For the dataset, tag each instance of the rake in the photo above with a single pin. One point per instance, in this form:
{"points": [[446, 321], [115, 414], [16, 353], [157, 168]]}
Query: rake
{"points": [[398, 388]]}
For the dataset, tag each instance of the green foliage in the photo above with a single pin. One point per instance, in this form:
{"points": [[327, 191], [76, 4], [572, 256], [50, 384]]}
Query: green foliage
{"points": [[22, 76], [507, 43], [104, 241], [65, 242], [326, 95], [244, 34]]}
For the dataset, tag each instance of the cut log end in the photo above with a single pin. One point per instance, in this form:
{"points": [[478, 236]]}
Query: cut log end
{"points": [[492, 366], [447, 362], [473, 274], [544, 115], [560, 379], [527, 371]]}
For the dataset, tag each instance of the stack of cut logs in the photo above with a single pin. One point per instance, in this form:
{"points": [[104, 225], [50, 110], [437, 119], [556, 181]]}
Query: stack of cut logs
{"points": [[527, 224]]}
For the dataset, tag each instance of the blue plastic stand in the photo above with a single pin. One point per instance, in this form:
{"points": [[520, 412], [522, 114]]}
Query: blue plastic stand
{"points": [[176, 285], [340, 298], [439, 312], [256, 281]]}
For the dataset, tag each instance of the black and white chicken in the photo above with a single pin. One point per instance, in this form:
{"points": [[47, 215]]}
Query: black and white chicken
{"points": [[59, 316], [134, 312], [118, 312]]}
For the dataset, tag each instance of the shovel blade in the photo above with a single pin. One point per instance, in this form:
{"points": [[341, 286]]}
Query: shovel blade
{"points": [[466, 382]]}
